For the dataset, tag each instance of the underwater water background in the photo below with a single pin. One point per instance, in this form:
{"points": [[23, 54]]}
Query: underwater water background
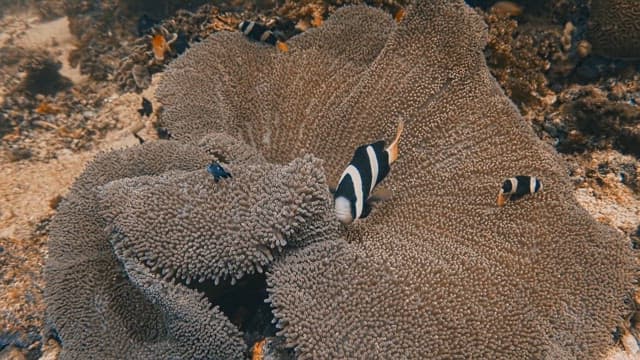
{"points": [[75, 75]]}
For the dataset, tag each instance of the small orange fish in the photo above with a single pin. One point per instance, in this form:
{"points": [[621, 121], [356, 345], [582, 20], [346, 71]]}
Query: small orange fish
{"points": [[160, 46], [399, 15], [282, 46], [317, 19], [257, 351]]}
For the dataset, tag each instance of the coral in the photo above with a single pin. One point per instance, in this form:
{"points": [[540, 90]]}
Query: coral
{"points": [[103, 27], [603, 168], [607, 186], [99, 34], [519, 58], [614, 29], [40, 100], [549, 11], [437, 268], [47, 10], [186, 26], [592, 121], [312, 12]]}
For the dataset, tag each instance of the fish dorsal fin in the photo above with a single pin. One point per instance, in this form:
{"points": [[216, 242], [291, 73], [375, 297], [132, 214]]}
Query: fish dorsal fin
{"points": [[393, 148]]}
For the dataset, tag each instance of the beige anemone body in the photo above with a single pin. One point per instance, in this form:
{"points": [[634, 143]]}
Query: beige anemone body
{"points": [[437, 271]]}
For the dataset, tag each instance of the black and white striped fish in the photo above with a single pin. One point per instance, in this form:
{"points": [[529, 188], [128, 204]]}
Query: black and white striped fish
{"points": [[517, 187], [371, 163], [259, 32]]}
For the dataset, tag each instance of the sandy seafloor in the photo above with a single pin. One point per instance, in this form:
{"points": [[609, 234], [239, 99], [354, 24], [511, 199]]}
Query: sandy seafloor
{"points": [[46, 140]]}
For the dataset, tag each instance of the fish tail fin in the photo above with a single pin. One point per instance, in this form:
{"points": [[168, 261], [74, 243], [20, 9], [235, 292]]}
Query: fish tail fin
{"points": [[393, 148], [282, 46], [502, 198]]}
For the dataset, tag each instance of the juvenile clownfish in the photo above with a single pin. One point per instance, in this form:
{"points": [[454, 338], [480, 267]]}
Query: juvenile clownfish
{"points": [[517, 187], [259, 32], [217, 171], [369, 166]]}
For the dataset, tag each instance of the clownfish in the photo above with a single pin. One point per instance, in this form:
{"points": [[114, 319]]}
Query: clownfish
{"points": [[370, 164], [217, 171], [517, 187], [259, 32]]}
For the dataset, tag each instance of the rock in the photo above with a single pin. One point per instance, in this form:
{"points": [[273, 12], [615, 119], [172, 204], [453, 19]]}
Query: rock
{"points": [[43, 77], [51, 350], [12, 353], [141, 76], [19, 153], [631, 345]]}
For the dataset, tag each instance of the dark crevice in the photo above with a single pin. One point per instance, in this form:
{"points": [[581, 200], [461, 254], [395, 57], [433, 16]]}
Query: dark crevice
{"points": [[243, 304]]}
